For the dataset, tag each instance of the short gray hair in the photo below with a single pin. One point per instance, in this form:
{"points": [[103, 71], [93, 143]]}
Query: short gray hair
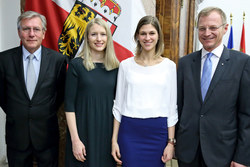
{"points": [[29, 15]]}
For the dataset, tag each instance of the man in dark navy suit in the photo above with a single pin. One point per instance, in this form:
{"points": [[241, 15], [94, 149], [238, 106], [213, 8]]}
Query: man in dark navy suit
{"points": [[213, 100], [31, 90]]}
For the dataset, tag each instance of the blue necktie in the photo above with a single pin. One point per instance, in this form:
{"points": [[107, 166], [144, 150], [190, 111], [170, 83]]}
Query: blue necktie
{"points": [[31, 77], [206, 75]]}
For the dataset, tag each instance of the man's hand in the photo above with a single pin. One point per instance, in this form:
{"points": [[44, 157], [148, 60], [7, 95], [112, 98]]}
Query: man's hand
{"points": [[235, 164]]}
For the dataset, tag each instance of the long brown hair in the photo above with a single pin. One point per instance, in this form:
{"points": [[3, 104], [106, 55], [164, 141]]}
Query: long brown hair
{"points": [[154, 22]]}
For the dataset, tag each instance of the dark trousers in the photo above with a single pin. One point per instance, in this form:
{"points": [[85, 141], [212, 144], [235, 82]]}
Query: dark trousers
{"points": [[197, 162], [45, 158]]}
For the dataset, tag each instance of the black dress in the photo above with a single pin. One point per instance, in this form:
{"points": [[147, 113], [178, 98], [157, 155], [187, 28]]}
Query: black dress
{"points": [[90, 94]]}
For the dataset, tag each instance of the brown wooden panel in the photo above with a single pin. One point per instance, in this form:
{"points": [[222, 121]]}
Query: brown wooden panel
{"points": [[190, 27], [168, 13], [22, 5]]}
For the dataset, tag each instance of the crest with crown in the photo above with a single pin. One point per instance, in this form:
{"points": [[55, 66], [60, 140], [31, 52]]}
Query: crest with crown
{"points": [[82, 12]]}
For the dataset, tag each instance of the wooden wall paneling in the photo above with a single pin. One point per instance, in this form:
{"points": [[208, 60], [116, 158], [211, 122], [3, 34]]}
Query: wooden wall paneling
{"points": [[22, 5], [168, 13], [190, 27], [186, 41], [174, 35]]}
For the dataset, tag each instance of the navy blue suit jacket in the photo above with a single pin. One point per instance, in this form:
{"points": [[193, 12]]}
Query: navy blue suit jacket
{"points": [[220, 124]]}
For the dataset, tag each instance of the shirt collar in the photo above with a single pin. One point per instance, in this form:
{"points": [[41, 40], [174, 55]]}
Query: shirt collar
{"points": [[217, 51], [37, 53]]}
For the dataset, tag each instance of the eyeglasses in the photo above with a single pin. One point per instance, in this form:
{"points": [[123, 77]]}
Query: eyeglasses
{"points": [[211, 28], [27, 30]]}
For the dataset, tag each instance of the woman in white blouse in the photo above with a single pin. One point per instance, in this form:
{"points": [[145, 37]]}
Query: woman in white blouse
{"points": [[145, 110]]}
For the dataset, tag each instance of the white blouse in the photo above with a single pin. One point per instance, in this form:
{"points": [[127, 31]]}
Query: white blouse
{"points": [[146, 92]]}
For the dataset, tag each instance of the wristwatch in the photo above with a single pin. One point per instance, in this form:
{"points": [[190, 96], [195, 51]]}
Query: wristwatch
{"points": [[172, 141]]}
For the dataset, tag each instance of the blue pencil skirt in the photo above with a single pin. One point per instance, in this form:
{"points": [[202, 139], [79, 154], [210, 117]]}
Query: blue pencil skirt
{"points": [[142, 141]]}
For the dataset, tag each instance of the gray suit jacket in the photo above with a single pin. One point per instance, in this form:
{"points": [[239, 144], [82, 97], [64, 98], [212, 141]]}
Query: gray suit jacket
{"points": [[220, 124], [31, 121]]}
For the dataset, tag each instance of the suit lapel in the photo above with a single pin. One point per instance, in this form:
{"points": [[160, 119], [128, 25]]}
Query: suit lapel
{"points": [[18, 61], [222, 65], [196, 68], [45, 59]]}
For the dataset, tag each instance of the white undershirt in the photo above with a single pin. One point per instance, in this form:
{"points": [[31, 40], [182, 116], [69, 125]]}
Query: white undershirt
{"points": [[146, 92]]}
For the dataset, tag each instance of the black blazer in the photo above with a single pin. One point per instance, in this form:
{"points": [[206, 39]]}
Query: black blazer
{"points": [[220, 124], [31, 121]]}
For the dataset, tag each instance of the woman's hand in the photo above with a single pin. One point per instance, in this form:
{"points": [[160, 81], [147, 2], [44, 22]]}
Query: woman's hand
{"points": [[168, 153], [79, 150], [116, 153]]}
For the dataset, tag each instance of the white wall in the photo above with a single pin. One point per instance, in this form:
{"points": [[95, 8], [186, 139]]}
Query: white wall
{"points": [[9, 11], [236, 8]]}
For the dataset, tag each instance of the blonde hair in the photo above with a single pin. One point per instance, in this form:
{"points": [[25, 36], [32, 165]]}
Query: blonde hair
{"points": [[154, 22], [110, 60]]}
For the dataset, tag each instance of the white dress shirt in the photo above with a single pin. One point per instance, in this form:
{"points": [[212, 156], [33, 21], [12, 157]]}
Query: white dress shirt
{"points": [[146, 92]]}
